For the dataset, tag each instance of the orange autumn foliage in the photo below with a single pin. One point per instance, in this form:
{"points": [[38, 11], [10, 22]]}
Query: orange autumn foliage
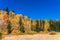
{"points": [[5, 17]]}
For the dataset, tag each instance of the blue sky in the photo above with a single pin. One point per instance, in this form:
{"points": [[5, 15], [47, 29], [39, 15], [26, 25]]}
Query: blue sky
{"points": [[35, 9]]}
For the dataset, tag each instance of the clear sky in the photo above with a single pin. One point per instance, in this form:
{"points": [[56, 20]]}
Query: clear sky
{"points": [[35, 9]]}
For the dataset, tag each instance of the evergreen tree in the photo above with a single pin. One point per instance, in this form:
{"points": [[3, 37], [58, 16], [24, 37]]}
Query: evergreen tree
{"points": [[9, 27], [42, 22], [57, 26], [13, 11], [21, 26], [37, 26], [54, 25], [33, 28], [7, 10]]}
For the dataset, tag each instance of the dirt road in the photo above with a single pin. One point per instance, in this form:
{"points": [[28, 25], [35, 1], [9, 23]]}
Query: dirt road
{"points": [[32, 37]]}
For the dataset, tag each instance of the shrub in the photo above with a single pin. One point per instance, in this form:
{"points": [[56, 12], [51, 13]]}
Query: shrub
{"points": [[0, 36], [53, 33], [15, 32], [31, 32]]}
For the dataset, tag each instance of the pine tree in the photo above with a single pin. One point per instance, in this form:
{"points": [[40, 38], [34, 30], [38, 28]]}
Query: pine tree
{"points": [[9, 27], [37, 26], [7, 10], [21, 26]]}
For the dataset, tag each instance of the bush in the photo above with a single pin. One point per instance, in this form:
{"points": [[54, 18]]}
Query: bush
{"points": [[15, 32], [31, 32], [53, 33], [0, 36]]}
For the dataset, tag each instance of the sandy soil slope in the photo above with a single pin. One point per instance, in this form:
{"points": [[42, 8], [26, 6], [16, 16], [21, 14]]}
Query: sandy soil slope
{"points": [[32, 37]]}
